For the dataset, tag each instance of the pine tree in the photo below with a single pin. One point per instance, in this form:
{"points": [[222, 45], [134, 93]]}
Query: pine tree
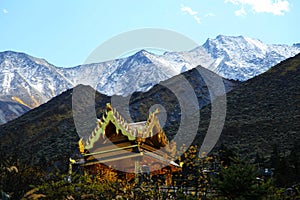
{"points": [[239, 181]]}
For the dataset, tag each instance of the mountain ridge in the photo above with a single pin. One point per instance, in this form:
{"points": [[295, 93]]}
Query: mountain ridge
{"points": [[32, 81], [263, 111], [242, 58]]}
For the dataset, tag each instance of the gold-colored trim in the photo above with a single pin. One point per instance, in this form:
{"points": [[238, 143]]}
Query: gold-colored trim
{"points": [[110, 150], [113, 159]]}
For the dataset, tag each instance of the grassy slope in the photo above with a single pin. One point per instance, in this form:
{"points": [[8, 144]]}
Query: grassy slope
{"points": [[264, 111]]}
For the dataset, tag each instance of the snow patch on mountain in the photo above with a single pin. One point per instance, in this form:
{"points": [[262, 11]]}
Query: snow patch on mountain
{"points": [[242, 58], [32, 80]]}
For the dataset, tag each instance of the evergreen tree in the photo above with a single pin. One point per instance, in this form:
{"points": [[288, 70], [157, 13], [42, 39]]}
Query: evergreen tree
{"points": [[239, 181], [226, 155], [294, 160]]}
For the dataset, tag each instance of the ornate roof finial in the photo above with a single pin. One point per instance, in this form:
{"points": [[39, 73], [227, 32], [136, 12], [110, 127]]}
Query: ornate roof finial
{"points": [[108, 107], [157, 111]]}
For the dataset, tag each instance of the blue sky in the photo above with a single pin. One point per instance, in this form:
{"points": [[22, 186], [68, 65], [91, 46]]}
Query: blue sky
{"points": [[66, 32]]}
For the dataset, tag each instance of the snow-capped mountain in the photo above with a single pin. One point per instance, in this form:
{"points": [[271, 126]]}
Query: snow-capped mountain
{"points": [[242, 58], [138, 72], [28, 80], [32, 81]]}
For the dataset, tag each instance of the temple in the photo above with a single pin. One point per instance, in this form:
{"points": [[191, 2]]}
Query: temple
{"points": [[133, 148]]}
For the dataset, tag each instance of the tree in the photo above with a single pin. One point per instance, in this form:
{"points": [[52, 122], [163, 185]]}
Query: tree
{"points": [[294, 160], [226, 155], [239, 181]]}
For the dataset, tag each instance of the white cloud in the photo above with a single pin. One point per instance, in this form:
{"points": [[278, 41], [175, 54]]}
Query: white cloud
{"points": [[276, 7], [190, 11], [198, 20], [4, 11], [242, 12]]}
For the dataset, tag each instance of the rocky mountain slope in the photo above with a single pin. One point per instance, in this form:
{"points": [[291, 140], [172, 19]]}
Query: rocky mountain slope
{"points": [[263, 111], [11, 110], [32, 81], [28, 80], [243, 58]]}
